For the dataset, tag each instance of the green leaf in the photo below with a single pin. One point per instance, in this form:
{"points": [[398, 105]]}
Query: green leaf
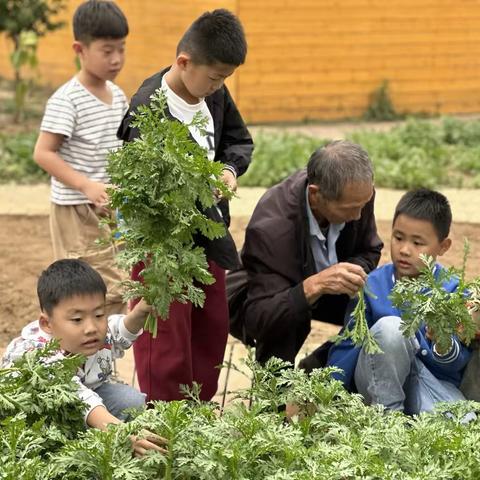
{"points": [[163, 181], [423, 300], [357, 329]]}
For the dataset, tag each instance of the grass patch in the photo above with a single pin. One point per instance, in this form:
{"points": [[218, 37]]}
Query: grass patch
{"points": [[417, 153], [16, 162], [34, 101], [277, 155], [442, 153]]}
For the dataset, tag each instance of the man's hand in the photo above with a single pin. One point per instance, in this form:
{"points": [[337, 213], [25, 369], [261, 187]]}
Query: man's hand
{"points": [[147, 441], [96, 193], [339, 278]]}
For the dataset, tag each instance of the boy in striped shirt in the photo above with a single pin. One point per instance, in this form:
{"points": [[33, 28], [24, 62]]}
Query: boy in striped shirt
{"points": [[77, 132]]}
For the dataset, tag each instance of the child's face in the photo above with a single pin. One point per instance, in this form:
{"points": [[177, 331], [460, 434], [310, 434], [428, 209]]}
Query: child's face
{"points": [[102, 58], [79, 322], [202, 80], [410, 238]]}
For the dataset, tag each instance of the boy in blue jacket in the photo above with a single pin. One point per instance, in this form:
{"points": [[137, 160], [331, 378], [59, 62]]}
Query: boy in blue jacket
{"points": [[411, 374]]}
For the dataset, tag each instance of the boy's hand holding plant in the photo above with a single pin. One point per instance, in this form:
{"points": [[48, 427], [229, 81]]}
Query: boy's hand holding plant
{"points": [[145, 441], [423, 299], [229, 179]]}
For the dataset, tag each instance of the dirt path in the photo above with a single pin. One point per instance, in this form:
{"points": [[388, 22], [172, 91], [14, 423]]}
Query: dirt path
{"points": [[26, 250], [34, 200]]}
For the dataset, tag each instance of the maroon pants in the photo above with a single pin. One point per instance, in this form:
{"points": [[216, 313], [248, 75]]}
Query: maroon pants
{"points": [[189, 346]]}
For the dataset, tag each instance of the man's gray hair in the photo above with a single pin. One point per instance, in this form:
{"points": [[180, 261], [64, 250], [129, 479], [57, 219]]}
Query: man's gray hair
{"points": [[336, 164]]}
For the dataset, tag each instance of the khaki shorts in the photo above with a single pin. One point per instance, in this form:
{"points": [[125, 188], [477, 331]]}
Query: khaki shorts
{"points": [[74, 230]]}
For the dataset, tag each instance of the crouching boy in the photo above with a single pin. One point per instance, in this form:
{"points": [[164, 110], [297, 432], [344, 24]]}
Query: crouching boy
{"points": [[411, 374], [72, 309]]}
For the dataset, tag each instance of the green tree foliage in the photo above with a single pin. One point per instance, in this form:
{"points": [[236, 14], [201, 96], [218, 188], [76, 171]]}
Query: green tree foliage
{"points": [[163, 183], [17, 16], [24, 21]]}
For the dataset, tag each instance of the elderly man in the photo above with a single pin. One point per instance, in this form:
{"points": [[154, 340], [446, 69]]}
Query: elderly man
{"points": [[308, 247]]}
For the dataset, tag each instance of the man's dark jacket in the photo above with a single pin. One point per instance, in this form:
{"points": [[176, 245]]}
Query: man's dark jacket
{"points": [[277, 257], [233, 147]]}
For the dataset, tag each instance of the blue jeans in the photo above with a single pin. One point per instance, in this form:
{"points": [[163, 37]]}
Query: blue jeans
{"points": [[397, 378], [118, 396]]}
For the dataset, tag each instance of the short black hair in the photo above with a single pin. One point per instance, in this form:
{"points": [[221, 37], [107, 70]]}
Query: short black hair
{"points": [[66, 278], [215, 37], [428, 205], [96, 19]]}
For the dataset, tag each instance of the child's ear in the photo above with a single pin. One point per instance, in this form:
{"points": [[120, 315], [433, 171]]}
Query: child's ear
{"points": [[183, 60], [445, 244], [44, 322], [77, 47]]}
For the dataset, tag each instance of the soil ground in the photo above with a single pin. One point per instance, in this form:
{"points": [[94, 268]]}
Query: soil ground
{"points": [[26, 250]]}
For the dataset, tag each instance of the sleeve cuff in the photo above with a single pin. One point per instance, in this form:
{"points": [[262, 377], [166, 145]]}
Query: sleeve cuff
{"points": [[448, 357], [298, 299], [123, 330], [230, 168]]}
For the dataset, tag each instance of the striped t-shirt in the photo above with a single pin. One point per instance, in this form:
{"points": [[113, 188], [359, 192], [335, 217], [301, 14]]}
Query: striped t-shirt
{"points": [[89, 127]]}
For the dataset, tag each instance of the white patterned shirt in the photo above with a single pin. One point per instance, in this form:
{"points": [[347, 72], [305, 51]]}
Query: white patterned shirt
{"points": [[97, 368]]}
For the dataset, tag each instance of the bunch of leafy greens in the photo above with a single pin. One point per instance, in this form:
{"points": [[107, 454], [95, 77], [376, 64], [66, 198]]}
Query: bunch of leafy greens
{"points": [[357, 329], [41, 388], [333, 436], [42, 434], [40, 410], [424, 300], [163, 183]]}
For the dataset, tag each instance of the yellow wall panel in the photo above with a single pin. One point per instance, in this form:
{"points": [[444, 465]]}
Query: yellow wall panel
{"points": [[155, 29], [322, 59], [310, 59]]}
